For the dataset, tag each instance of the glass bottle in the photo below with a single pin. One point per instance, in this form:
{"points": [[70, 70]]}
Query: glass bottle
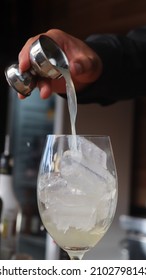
{"points": [[11, 210]]}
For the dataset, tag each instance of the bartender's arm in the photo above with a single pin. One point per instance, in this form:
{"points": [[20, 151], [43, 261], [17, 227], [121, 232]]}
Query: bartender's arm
{"points": [[105, 68]]}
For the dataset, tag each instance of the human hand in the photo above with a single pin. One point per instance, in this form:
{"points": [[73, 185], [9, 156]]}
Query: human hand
{"points": [[84, 64]]}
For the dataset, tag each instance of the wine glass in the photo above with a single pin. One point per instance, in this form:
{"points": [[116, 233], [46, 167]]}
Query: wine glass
{"points": [[77, 190]]}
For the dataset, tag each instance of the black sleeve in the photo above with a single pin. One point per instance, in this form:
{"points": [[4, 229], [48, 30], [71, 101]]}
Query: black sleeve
{"points": [[124, 64]]}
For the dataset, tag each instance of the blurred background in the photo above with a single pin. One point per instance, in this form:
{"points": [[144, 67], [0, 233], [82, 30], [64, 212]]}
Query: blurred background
{"points": [[30, 120]]}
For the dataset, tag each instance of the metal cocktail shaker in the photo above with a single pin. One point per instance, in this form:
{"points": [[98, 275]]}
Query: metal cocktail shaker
{"points": [[46, 60]]}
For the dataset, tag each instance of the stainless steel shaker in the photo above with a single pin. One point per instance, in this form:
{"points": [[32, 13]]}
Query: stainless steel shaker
{"points": [[46, 59]]}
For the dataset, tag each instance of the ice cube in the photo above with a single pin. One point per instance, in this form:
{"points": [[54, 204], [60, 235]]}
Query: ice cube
{"points": [[68, 205], [106, 206], [49, 186], [91, 153], [74, 169], [80, 179], [73, 211]]}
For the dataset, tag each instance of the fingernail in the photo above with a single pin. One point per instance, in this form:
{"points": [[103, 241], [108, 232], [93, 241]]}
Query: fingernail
{"points": [[78, 68]]}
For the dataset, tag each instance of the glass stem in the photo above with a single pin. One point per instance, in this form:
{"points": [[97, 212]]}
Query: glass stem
{"points": [[76, 256]]}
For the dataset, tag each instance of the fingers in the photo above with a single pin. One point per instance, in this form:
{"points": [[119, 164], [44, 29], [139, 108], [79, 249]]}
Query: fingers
{"points": [[47, 87], [44, 89], [24, 60], [20, 96]]}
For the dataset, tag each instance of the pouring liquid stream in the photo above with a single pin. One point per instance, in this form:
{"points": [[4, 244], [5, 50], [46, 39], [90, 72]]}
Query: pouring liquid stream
{"points": [[72, 103]]}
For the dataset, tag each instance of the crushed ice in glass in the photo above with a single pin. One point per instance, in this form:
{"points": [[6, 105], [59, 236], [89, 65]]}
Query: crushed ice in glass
{"points": [[81, 192]]}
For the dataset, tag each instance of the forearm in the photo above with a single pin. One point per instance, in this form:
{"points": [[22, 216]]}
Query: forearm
{"points": [[124, 68]]}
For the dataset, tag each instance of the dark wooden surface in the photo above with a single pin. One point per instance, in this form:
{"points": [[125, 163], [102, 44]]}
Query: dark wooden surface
{"points": [[84, 17]]}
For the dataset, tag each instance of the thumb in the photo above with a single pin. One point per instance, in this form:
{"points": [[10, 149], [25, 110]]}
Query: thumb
{"points": [[85, 69], [80, 66]]}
